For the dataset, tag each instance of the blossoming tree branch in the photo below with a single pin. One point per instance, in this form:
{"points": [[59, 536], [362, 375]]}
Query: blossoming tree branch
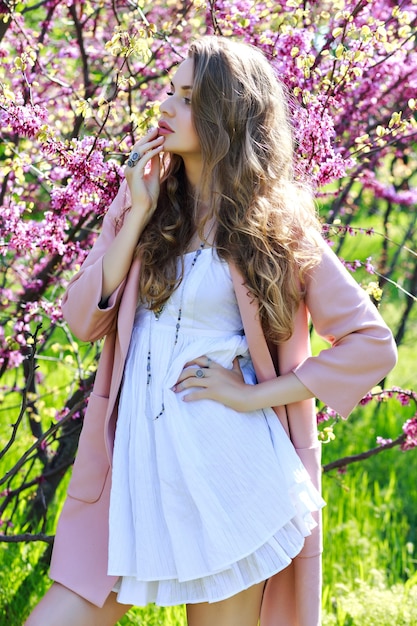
{"points": [[79, 81]]}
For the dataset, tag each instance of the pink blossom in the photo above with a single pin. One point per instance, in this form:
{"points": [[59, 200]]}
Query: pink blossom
{"points": [[326, 414], [59, 415], [410, 430], [366, 399], [322, 416], [25, 120], [369, 266], [403, 398], [381, 441]]}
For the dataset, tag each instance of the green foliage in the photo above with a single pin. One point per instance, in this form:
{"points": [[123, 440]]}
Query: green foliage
{"points": [[155, 616], [23, 580], [385, 478], [370, 521], [371, 602], [366, 529]]}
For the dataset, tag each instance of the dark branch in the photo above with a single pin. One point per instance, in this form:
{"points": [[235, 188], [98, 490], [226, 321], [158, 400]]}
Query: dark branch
{"points": [[355, 458]]}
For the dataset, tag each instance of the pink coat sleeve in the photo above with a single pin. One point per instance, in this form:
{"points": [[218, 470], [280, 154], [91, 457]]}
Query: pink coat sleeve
{"points": [[362, 347], [81, 301]]}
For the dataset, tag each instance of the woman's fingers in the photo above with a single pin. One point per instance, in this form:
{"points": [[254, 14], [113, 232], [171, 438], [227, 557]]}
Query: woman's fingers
{"points": [[142, 152], [203, 361], [198, 368], [192, 377], [203, 379], [143, 168], [203, 372]]}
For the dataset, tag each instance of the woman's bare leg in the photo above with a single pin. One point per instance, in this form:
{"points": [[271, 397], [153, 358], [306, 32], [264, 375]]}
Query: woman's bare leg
{"points": [[62, 607], [240, 610]]}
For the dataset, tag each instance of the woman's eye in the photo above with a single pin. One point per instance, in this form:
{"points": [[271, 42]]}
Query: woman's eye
{"points": [[172, 93]]}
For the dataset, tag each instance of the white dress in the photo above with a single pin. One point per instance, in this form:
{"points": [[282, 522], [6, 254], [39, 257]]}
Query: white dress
{"points": [[205, 501]]}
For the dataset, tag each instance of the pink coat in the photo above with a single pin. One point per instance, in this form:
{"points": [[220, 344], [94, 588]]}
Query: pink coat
{"points": [[361, 353]]}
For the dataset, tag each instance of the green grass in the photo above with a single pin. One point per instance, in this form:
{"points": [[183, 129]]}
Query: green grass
{"points": [[370, 525], [367, 554]]}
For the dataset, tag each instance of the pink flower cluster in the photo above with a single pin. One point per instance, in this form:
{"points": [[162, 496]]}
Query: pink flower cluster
{"points": [[403, 197], [403, 396], [345, 125], [25, 120], [410, 430]]}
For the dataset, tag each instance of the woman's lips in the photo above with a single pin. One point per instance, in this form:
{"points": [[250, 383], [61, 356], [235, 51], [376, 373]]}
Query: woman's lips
{"points": [[164, 129]]}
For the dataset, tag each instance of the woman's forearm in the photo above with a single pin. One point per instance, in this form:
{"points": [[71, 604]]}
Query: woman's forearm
{"points": [[118, 258], [143, 180], [279, 391], [228, 387]]}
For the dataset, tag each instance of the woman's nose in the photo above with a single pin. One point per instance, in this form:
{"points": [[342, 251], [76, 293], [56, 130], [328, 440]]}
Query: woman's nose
{"points": [[166, 108]]}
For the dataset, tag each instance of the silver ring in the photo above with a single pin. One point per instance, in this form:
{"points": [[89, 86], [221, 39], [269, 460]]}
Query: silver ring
{"points": [[199, 373], [133, 159]]}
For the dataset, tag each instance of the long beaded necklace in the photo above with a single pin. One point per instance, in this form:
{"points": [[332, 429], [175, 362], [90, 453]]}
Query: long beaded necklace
{"points": [[157, 315]]}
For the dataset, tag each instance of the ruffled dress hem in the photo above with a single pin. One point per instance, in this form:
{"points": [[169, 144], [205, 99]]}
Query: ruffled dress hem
{"points": [[270, 558]]}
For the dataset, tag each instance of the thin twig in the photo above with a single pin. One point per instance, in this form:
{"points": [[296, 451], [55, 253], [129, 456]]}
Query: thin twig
{"points": [[27, 537]]}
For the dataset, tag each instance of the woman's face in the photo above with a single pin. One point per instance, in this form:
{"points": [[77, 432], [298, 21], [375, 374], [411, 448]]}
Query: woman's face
{"points": [[176, 123]]}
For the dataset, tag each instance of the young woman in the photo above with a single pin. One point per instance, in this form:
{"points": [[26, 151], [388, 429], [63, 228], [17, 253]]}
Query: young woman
{"points": [[188, 487]]}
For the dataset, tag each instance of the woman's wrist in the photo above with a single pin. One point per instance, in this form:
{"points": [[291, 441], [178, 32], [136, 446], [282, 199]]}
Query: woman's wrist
{"points": [[279, 391]]}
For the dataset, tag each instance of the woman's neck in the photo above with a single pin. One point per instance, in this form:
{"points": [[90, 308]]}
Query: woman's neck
{"points": [[193, 170]]}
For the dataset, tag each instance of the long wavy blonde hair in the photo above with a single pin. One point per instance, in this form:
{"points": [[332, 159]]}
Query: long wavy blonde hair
{"points": [[266, 222]]}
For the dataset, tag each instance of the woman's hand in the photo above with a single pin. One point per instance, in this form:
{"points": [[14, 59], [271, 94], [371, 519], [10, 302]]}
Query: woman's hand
{"points": [[143, 181], [209, 380], [144, 185]]}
